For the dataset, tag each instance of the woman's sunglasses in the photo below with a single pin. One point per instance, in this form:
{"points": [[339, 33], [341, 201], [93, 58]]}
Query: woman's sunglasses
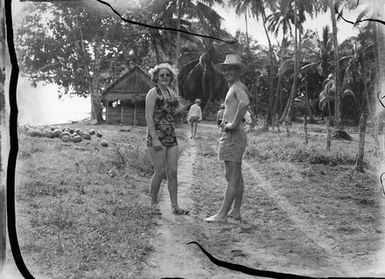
{"points": [[164, 75]]}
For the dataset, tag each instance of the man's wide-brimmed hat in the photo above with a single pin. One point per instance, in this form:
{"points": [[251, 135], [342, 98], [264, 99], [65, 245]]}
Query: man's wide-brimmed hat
{"points": [[231, 60], [197, 101]]}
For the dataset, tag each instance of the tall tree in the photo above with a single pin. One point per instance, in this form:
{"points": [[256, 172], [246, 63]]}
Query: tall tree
{"points": [[258, 9], [299, 8], [281, 20], [77, 47]]}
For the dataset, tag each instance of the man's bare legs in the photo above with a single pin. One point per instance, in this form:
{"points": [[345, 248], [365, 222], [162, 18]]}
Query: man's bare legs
{"points": [[235, 212], [194, 127], [159, 162], [234, 192]]}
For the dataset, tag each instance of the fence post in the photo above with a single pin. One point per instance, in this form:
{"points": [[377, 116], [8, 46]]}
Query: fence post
{"points": [[305, 127], [328, 133], [361, 145]]}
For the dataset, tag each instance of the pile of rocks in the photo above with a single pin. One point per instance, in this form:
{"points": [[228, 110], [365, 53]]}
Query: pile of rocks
{"points": [[65, 134]]}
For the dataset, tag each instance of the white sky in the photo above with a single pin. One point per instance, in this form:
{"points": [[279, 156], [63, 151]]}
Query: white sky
{"points": [[232, 22], [41, 105]]}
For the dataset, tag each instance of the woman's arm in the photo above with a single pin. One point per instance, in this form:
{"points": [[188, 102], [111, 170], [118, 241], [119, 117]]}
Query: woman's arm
{"points": [[149, 112]]}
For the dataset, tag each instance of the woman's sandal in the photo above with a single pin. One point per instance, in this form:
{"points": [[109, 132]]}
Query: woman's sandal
{"points": [[180, 211], [156, 211]]}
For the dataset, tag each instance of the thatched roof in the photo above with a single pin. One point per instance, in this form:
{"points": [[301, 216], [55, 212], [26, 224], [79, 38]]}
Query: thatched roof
{"points": [[132, 85]]}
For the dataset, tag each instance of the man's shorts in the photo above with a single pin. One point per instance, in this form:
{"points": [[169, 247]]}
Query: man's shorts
{"points": [[194, 119], [232, 145]]}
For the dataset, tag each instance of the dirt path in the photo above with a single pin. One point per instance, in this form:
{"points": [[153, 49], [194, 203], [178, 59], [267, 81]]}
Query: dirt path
{"points": [[276, 235], [172, 257]]}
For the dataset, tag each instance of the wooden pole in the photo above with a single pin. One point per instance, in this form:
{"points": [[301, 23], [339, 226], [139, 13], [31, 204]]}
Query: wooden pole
{"points": [[305, 127], [134, 124], [121, 113], [328, 133], [361, 147]]}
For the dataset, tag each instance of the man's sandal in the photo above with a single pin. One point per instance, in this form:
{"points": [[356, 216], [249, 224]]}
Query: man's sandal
{"points": [[180, 211]]}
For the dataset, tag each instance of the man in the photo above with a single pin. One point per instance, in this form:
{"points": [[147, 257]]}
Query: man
{"points": [[232, 143], [194, 116]]}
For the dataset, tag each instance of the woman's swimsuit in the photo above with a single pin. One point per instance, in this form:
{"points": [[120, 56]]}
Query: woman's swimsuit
{"points": [[163, 118]]}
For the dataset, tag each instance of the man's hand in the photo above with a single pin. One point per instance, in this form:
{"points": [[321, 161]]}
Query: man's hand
{"points": [[227, 126]]}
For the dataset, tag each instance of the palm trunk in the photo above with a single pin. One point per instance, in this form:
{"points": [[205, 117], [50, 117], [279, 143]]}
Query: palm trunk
{"points": [[337, 109], [361, 147], [177, 50], [157, 55], [247, 31], [271, 75], [278, 88], [286, 114], [204, 89], [307, 103]]}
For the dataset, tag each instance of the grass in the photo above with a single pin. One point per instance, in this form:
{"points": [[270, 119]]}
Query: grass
{"points": [[279, 147], [83, 210]]}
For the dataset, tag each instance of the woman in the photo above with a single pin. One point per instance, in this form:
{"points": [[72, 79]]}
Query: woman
{"points": [[161, 104]]}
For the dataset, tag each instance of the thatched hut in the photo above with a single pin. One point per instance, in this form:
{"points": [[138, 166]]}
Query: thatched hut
{"points": [[125, 98]]}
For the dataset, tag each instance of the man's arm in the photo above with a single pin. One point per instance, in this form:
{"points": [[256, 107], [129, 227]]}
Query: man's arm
{"points": [[200, 113]]}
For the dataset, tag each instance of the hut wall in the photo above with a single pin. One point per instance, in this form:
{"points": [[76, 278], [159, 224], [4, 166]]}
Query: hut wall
{"points": [[115, 115]]}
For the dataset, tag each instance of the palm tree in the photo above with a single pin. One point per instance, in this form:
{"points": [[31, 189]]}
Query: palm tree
{"points": [[281, 19], [258, 8], [316, 59], [198, 78], [299, 8]]}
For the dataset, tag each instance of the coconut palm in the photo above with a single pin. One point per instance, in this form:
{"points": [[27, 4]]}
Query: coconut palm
{"points": [[257, 8], [299, 10], [198, 78]]}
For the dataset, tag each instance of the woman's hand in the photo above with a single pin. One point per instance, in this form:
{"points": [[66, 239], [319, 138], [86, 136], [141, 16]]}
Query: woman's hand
{"points": [[156, 143]]}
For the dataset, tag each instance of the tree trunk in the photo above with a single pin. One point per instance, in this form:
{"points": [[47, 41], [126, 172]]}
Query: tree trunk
{"points": [[337, 109], [307, 104], [361, 147], [286, 114], [247, 31], [177, 50], [96, 108], [271, 74], [278, 88]]}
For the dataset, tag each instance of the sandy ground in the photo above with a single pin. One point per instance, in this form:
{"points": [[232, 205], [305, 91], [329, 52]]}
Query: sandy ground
{"points": [[276, 233], [280, 239]]}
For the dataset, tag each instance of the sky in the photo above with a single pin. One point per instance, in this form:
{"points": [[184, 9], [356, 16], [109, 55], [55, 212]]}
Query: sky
{"points": [[39, 106]]}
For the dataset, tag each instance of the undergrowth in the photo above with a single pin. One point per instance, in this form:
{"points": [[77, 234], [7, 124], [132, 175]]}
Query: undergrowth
{"points": [[273, 147]]}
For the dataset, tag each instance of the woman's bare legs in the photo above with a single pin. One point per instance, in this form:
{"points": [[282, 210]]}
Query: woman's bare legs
{"points": [[172, 174], [172, 154], [159, 161]]}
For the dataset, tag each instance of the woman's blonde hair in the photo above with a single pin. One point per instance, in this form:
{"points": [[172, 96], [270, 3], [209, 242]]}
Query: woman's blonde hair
{"points": [[171, 68]]}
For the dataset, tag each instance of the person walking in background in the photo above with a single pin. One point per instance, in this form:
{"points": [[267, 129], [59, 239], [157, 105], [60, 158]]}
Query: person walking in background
{"points": [[220, 115], [161, 104], [194, 116], [233, 139]]}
